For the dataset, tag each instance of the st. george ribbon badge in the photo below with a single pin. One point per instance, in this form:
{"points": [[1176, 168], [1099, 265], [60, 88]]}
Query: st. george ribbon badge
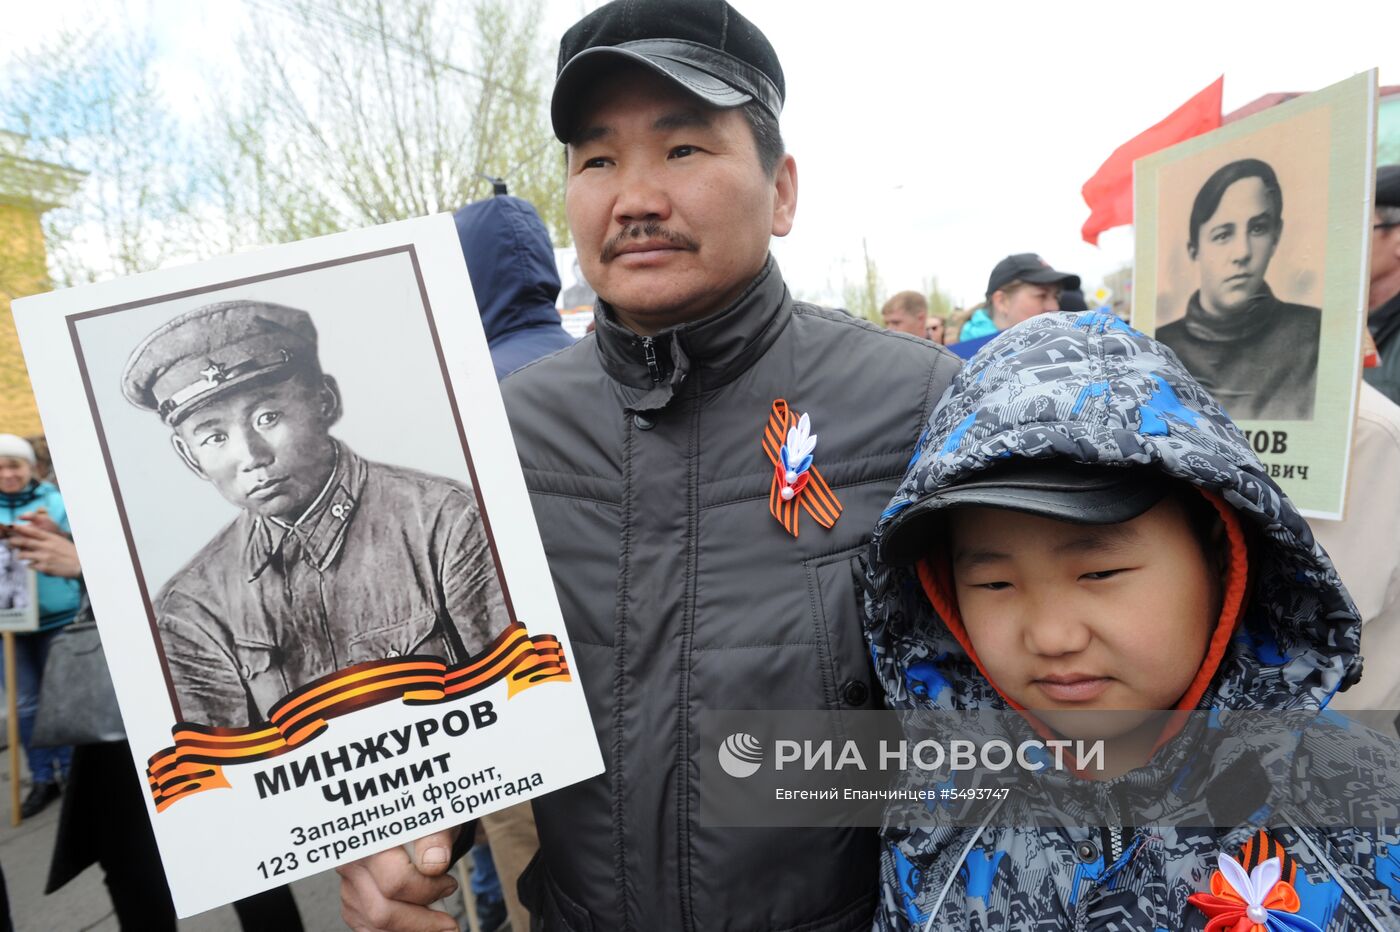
{"points": [[1257, 899], [789, 442]]}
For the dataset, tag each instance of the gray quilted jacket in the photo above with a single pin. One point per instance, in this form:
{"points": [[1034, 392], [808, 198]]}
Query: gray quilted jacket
{"points": [[681, 593]]}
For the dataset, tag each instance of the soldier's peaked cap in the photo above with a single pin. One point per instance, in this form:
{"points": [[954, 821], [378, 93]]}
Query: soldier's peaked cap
{"points": [[216, 349]]}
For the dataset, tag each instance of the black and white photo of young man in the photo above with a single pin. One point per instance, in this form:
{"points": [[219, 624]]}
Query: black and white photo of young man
{"points": [[333, 559], [1256, 353]]}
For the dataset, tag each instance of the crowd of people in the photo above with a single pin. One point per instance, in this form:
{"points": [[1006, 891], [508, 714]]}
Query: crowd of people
{"points": [[1027, 506], [1019, 287], [1038, 553]]}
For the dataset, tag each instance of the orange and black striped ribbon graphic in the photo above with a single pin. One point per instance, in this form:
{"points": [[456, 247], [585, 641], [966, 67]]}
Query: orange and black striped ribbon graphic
{"points": [[1264, 846], [814, 495], [196, 761]]}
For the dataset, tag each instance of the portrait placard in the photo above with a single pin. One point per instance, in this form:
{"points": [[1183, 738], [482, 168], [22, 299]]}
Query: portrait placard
{"points": [[19, 599], [310, 552], [576, 297], [1252, 263]]}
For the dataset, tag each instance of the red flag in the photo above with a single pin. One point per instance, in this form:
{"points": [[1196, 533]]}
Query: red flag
{"points": [[1109, 193]]}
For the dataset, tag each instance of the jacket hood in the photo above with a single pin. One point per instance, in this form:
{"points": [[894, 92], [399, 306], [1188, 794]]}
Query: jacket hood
{"points": [[1089, 389], [511, 264]]}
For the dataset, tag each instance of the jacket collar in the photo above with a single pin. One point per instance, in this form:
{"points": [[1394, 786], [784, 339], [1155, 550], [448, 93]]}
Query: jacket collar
{"points": [[318, 535], [1242, 324], [1384, 321], [25, 496], [716, 349]]}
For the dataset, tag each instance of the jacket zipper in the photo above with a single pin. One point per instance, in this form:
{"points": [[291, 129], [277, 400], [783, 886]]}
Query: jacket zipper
{"points": [[1116, 837], [1114, 844], [649, 352]]}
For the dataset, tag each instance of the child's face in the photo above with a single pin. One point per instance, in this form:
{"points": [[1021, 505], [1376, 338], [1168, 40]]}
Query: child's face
{"points": [[1073, 617]]}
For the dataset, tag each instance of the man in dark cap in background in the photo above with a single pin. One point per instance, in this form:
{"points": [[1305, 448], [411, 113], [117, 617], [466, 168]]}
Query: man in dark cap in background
{"points": [[1020, 287], [334, 560], [696, 566], [1366, 545], [1384, 319]]}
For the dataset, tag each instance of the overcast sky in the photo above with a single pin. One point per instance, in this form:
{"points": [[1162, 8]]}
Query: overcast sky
{"points": [[946, 135]]}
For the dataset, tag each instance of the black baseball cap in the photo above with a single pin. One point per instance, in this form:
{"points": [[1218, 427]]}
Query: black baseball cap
{"points": [[1072, 492], [1388, 186], [1028, 267], [1072, 299], [705, 47]]}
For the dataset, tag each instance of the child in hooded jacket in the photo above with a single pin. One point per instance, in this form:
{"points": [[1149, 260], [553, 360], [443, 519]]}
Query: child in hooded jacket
{"points": [[1082, 528]]}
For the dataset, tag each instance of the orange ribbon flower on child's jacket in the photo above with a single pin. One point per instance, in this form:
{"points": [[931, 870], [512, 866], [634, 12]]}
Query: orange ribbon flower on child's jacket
{"points": [[789, 442], [1253, 901]]}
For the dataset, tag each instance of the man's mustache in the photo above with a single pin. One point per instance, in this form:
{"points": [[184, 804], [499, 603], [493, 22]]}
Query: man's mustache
{"points": [[652, 230]]}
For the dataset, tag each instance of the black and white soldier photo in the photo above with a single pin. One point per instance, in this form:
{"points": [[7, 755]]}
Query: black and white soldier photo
{"points": [[1251, 264], [14, 580], [1257, 353], [333, 559], [310, 551]]}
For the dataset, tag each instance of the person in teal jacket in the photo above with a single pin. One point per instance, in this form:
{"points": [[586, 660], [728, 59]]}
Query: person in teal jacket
{"points": [[24, 498]]}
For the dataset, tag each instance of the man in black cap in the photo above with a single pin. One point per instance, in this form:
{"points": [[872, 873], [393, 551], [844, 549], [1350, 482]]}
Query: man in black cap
{"points": [[705, 475], [1020, 287], [334, 560], [1384, 319]]}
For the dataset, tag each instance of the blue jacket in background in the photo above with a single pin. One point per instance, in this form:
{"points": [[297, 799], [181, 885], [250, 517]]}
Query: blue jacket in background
{"points": [[979, 325], [58, 597], [511, 263], [975, 334]]}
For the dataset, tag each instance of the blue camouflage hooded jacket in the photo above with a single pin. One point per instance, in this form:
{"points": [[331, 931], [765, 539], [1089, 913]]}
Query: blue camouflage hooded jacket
{"points": [[1087, 388]]}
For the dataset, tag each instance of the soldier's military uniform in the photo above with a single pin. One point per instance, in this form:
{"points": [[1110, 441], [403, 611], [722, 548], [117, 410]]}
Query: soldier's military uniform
{"points": [[386, 561]]}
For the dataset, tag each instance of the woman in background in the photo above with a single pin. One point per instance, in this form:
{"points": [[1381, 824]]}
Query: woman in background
{"points": [[24, 498]]}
